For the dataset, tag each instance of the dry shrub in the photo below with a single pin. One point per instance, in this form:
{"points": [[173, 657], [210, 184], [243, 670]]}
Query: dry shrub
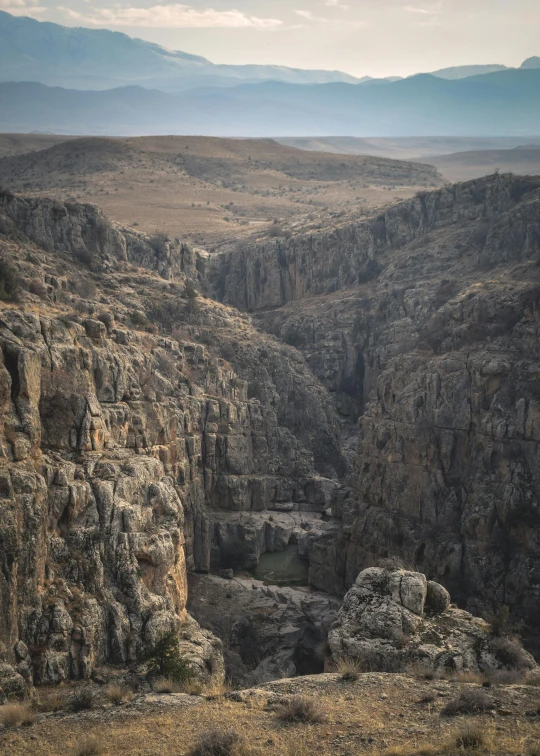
{"points": [[37, 287], [82, 700], [509, 653], [349, 668], [221, 743], [423, 750], [505, 677], [470, 677], [88, 747], [16, 715], [429, 698], [193, 687], [473, 701], [51, 701], [301, 709], [472, 739], [500, 622], [118, 694], [424, 671], [166, 685], [217, 688]]}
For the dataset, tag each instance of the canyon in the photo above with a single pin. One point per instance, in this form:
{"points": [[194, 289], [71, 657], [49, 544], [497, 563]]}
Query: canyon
{"points": [[366, 393]]}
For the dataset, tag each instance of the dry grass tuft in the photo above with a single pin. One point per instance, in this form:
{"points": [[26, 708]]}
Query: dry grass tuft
{"points": [[349, 668], [473, 701], [90, 746], [472, 739], [470, 677], [423, 671], [301, 709], [118, 694], [16, 715], [166, 685], [51, 701], [217, 689], [505, 677], [221, 743], [193, 687]]}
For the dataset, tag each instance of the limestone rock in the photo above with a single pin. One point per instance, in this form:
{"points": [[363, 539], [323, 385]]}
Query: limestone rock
{"points": [[382, 624]]}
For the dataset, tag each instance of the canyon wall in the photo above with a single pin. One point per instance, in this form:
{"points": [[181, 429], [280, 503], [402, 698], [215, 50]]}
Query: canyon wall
{"points": [[129, 455], [435, 354]]}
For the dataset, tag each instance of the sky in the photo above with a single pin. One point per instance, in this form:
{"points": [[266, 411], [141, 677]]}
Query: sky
{"points": [[361, 37]]}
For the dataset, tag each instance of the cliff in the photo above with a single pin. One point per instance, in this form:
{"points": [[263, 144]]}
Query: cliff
{"points": [[121, 444], [380, 401], [423, 325]]}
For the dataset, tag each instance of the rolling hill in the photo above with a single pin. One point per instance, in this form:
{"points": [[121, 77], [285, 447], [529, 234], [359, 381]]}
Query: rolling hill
{"points": [[209, 189]]}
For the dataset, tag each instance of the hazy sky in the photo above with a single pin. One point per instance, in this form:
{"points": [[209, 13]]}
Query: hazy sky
{"points": [[373, 37]]}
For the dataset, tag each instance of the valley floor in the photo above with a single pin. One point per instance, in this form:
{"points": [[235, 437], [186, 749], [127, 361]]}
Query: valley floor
{"points": [[376, 714]]}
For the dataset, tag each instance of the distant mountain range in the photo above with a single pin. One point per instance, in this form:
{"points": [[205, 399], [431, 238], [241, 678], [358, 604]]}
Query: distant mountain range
{"points": [[79, 58], [505, 103], [84, 81]]}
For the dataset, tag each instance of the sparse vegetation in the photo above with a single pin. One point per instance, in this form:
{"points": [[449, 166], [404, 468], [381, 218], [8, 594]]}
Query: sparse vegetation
{"points": [[471, 739], [221, 743], [301, 709], [81, 700], [474, 701], [8, 280], [509, 653], [138, 319], [16, 715], [165, 661], [348, 668], [89, 746], [118, 694]]}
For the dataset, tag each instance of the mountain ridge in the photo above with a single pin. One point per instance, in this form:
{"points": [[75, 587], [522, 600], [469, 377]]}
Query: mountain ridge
{"points": [[82, 58], [505, 103]]}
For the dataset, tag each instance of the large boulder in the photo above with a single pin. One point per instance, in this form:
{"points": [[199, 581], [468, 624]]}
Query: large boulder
{"points": [[391, 619]]}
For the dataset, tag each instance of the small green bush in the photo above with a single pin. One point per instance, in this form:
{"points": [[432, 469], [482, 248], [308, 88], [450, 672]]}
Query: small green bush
{"points": [[165, 660]]}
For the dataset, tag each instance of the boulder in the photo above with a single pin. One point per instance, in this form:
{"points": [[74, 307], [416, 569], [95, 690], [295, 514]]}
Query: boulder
{"points": [[391, 619]]}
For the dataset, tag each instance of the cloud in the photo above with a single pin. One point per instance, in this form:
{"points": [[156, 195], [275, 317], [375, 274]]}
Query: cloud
{"points": [[172, 16], [336, 23], [336, 4], [431, 10], [21, 7]]}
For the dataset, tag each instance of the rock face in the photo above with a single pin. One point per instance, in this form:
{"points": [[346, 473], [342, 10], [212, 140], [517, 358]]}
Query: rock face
{"points": [[269, 632], [122, 449], [433, 367], [147, 432], [393, 618]]}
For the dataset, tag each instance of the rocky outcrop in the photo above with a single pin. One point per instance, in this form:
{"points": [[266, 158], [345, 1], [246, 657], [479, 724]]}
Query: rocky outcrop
{"points": [[83, 232], [393, 618], [268, 632]]}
